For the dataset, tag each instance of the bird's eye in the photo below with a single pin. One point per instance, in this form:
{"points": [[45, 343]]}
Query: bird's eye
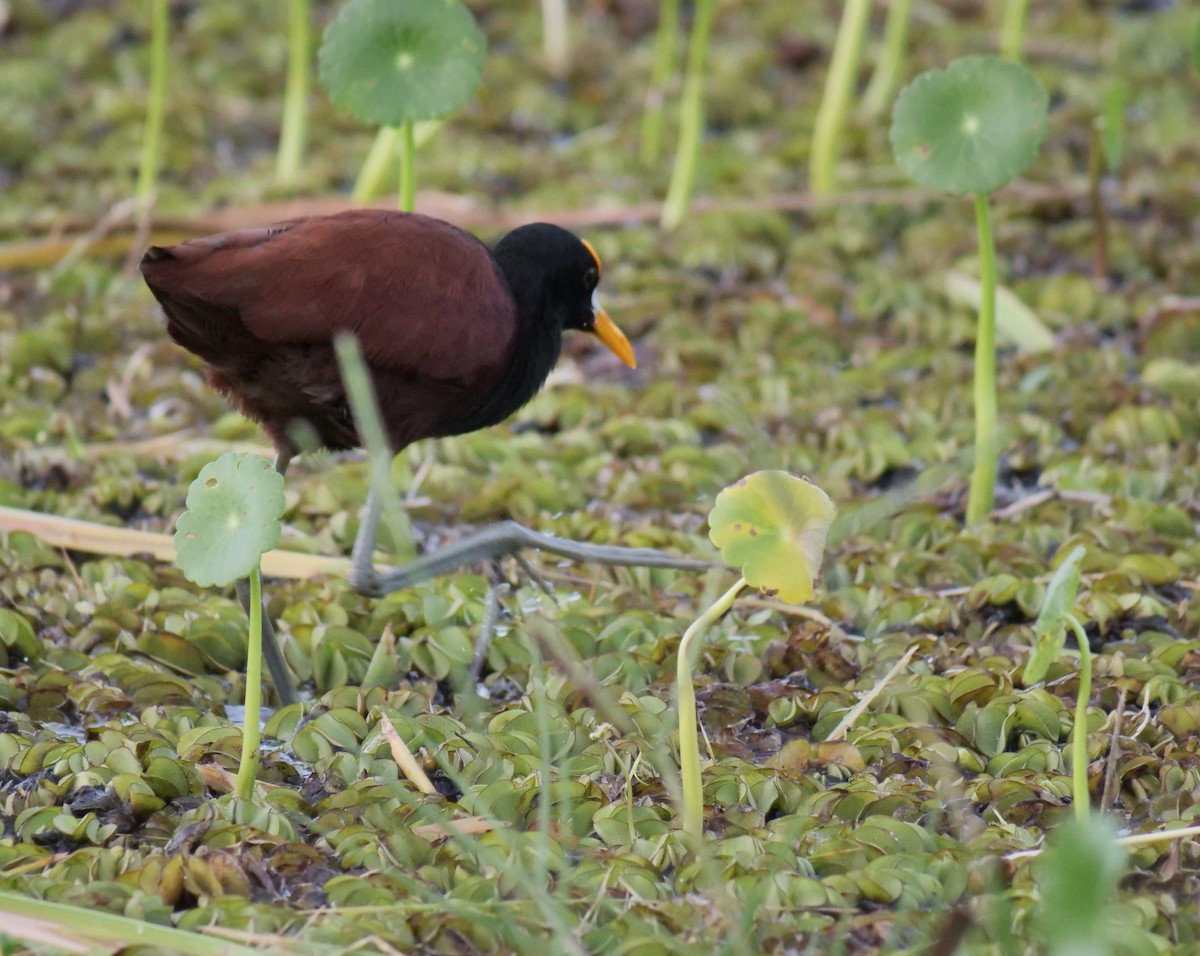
{"points": [[590, 278]]}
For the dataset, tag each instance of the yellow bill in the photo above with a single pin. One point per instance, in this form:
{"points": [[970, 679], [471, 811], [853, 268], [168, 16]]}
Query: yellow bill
{"points": [[607, 332]]}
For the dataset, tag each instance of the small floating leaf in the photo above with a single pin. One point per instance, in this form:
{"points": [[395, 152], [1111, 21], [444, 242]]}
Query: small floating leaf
{"points": [[1112, 129], [17, 639], [971, 127], [232, 519], [1052, 621], [773, 526], [399, 61]]}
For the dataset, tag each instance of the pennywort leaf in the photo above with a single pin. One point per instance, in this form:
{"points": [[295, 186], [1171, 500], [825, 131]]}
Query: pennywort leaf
{"points": [[773, 526], [232, 519]]}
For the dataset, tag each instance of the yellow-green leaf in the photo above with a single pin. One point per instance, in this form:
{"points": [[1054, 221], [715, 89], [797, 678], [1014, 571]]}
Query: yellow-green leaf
{"points": [[773, 525]]}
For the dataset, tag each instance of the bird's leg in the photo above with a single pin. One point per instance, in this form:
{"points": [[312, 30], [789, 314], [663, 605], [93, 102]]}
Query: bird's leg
{"points": [[491, 616], [281, 676], [363, 576], [490, 544], [534, 575], [508, 537], [491, 607]]}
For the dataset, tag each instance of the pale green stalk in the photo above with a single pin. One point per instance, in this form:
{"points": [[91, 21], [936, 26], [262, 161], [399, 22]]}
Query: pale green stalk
{"points": [[408, 182], [295, 98], [554, 36], [691, 118], [882, 88], [545, 768], [1113, 135], [835, 100], [251, 720], [689, 738], [983, 477], [627, 767], [1079, 748], [1012, 29], [104, 929], [155, 106], [660, 73]]}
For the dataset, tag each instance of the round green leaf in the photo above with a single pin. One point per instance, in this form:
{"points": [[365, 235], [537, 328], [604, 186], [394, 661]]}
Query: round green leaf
{"points": [[971, 127], [398, 61], [232, 518], [773, 526]]}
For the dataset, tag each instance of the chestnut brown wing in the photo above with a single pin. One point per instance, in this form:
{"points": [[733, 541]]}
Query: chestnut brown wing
{"points": [[425, 298]]}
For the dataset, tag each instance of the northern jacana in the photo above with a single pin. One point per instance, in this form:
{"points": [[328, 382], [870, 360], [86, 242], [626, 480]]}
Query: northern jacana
{"points": [[455, 336]]}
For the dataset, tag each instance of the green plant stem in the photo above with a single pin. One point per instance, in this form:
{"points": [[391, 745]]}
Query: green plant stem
{"points": [[983, 477], [1113, 126], [1096, 206], [1012, 29], [378, 164], [627, 769], [835, 100], [538, 695], [360, 391], [691, 118], [155, 106], [1079, 749], [882, 88], [689, 738], [660, 73], [251, 721], [295, 99], [408, 183]]}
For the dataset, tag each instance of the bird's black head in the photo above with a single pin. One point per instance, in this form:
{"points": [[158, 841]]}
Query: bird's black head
{"points": [[553, 275]]}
